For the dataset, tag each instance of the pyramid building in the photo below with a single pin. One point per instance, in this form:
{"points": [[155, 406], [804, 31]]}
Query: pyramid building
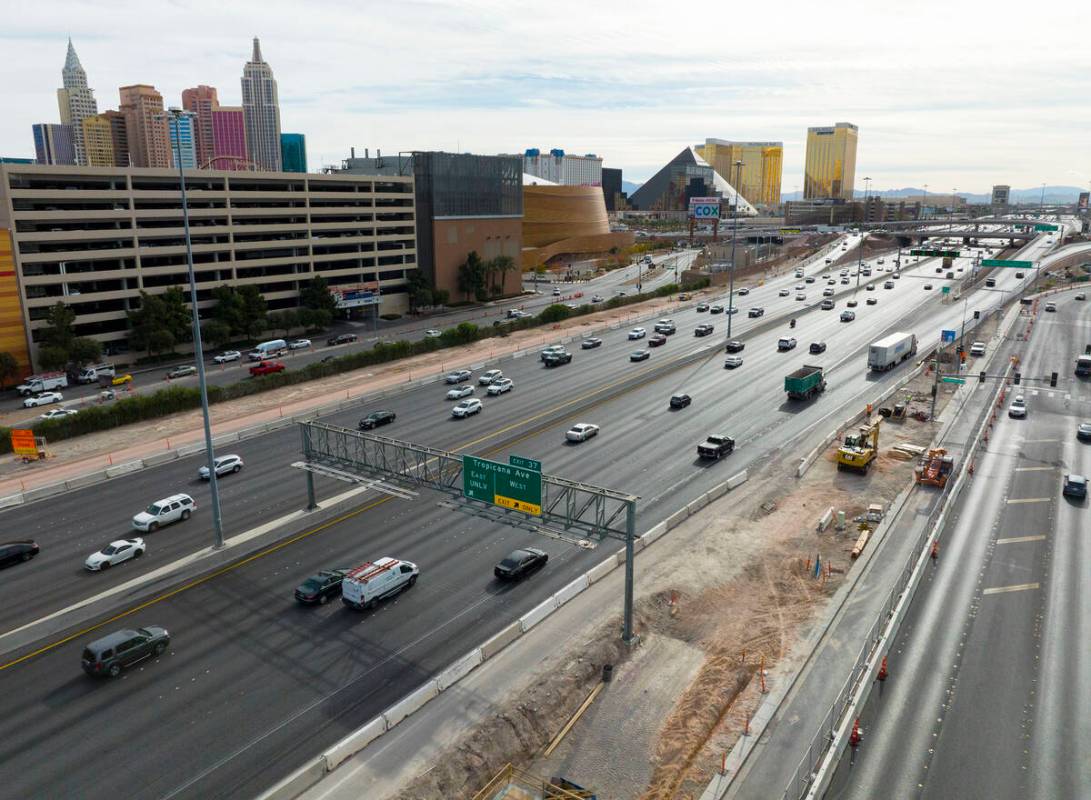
{"points": [[684, 176]]}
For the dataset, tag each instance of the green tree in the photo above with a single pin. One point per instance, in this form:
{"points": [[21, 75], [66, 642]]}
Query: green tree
{"points": [[420, 293], [60, 343], [471, 276], [229, 309], [52, 357], [216, 332], [441, 297], [177, 317], [9, 368], [84, 350], [555, 313], [254, 310], [59, 331], [160, 313], [316, 295], [159, 341], [501, 266], [284, 321]]}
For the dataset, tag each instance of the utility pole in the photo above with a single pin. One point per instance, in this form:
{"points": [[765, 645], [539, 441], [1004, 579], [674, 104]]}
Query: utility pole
{"points": [[860, 252], [734, 241]]}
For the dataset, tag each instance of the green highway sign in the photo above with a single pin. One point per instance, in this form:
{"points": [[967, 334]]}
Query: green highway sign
{"points": [[1042, 226], [999, 262], [959, 381], [936, 253], [946, 290], [502, 485], [525, 463]]}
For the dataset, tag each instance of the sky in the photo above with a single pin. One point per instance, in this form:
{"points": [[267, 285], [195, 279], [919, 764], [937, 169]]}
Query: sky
{"points": [[956, 95]]}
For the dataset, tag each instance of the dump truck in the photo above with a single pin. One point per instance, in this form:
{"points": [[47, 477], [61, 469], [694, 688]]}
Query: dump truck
{"points": [[859, 449], [890, 351], [934, 468], [804, 383]]}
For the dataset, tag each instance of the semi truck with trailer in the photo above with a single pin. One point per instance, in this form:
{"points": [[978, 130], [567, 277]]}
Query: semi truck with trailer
{"points": [[890, 351]]}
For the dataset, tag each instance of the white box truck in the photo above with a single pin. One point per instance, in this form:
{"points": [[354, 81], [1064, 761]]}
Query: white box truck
{"points": [[891, 351], [45, 382], [369, 583]]}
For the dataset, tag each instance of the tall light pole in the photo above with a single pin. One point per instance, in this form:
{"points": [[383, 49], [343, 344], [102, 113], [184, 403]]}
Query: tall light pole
{"points": [[1042, 202], [924, 210], [951, 216], [174, 117], [734, 241], [860, 252]]}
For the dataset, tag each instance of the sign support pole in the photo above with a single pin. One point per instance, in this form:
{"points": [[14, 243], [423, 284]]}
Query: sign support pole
{"points": [[627, 635]]}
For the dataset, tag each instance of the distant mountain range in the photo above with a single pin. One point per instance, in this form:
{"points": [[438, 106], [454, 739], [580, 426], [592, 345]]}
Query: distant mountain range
{"points": [[629, 187], [1054, 194]]}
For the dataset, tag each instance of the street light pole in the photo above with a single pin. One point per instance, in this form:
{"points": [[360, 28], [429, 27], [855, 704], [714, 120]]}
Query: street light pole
{"points": [[951, 216], [174, 116], [860, 252], [1042, 202], [734, 243]]}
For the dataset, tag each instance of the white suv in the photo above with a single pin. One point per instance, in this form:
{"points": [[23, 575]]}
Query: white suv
{"points": [[500, 386], [490, 376], [466, 408], [165, 511]]}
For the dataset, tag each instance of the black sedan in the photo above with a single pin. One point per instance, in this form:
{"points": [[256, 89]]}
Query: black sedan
{"points": [[15, 552], [321, 587], [377, 418], [735, 346], [639, 355], [657, 340], [1083, 433], [703, 330], [591, 342], [680, 400], [818, 347], [520, 563]]}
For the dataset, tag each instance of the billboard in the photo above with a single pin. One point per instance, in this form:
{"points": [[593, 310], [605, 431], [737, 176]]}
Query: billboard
{"points": [[1081, 204], [356, 295], [704, 208]]}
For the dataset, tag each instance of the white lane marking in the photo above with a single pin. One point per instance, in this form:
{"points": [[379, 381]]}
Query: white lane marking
{"points": [[1030, 500], [1035, 469], [1017, 539], [1040, 441], [1019, 587]]}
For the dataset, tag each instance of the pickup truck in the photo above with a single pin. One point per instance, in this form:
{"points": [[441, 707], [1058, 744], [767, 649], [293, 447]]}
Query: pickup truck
{"points": [[804, 383], [716, 446], [266, 368]]}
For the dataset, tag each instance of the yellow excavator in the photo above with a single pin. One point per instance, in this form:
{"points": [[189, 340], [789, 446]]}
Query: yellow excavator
{"points": [[859, 449]]}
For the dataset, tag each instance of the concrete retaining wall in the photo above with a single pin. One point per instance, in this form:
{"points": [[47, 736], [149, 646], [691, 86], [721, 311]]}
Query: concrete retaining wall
{"points": [[501, 640], [298, 782], [602, 569], [538, 613], [571, 590], [353, 743], [460, 669], [413, 701]]}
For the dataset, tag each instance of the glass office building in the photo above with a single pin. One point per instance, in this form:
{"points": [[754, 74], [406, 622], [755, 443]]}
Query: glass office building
{"points": [[830, 170]]}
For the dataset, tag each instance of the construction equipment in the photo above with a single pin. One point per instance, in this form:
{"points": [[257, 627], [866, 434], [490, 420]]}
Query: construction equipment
{"points": [[859, 449], [935, 468]]}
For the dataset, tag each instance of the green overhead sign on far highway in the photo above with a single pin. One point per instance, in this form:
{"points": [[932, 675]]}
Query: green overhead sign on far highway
{"points": [[1043, 226], [935, 253], [503, 485], [999, 262], [959, 381]]}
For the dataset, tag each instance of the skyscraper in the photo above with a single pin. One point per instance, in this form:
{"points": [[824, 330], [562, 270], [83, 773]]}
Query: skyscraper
{"points": [[53, 143], [149, 145], [229, 139], [762, 163], [202, 101], [75, 100], [182, 145], [293, 152], [262, 112], [830, 171], [119, 137], [98, 141]]}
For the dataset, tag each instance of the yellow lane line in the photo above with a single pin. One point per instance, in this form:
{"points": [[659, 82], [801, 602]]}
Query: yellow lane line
{"points": [[1019, 587], [1017, 539]]}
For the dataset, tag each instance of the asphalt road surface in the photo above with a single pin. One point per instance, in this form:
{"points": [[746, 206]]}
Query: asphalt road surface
{"points": [[253, 684]]}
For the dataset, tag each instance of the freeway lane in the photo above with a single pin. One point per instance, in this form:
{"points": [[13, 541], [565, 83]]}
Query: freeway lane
{"points": [[989, 691], [252, 680]]}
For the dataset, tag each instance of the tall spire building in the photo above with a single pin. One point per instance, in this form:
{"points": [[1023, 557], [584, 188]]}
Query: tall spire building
{"points": [[261, 111], [76, 102]]}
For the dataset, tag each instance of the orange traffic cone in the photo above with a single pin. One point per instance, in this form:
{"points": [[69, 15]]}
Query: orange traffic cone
{"points": [[882, 670], [855, 736], [935, 549]]}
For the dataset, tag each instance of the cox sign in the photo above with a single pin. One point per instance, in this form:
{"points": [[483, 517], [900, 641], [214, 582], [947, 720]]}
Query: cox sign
{"points": [[704, 207]]}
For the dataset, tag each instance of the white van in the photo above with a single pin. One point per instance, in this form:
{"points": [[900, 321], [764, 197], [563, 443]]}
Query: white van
{"points": [[270, 349], [369, 583], [94, 372]]}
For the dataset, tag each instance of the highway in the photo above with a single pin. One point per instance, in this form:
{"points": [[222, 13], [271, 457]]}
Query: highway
{"points": [[253, 684], [990, 689], [408, 329]]}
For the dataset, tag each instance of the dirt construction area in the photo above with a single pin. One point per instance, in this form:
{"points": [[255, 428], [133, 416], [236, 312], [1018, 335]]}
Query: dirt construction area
{"points": [[721, 600]]}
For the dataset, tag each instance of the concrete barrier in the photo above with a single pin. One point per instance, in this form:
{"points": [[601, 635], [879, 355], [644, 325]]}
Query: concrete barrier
{"points": [[825, 520], [226, 438], [538, 613], [11, 500], [85, 480], [654, 533], [696, 505], [597, 572], [190, 449], [124, 469], [675, 519], [571, 590], [353, 743], [39, 492], [298, 782], [460, 669], [160, 458], [501, 640], [413, 701], [737, 479]]}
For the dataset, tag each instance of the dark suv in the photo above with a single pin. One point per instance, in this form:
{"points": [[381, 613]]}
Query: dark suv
{"points": [[341, 338], [321, 587], [111, 654], [377, 418], [13, 552]]}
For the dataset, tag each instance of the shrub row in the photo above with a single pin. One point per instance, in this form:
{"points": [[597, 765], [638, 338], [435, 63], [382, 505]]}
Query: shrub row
{"points": [[170, 400]]}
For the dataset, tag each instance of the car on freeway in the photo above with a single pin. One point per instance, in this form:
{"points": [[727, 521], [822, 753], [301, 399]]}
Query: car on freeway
{"points": [[786, 343], [637, 333], [702, 307], [42, 399], [871, 301], [227, 355], [115, 552], [1074, 486], [639, 355], [810, 279], [939, 270], [817, 347], [520, 563], [827, 292], [458, 376], [1080, 296], [597, 298], [432, 333], [703, 330], [1051, 306], [177, 507], [743, 292], [58, 413], [266, 368], [321, 587], [229, 464], [556, 292], [489, 376], [1018, 275], [590, 343], [572, 305], [657, 340], [870, 287], [501, 386], [784, 293], [517, 313], [546, 352], [665, 326], [977, 349], [801, 297], [845, 281], [182, 372], [756, 312], [716, 309], [799, 273], [732, 362], [716, 446], [897, 275], [680, 400], [990, 282], [299, 344], [121, 649], [734, 346], [18, 552], [459, 392], [888, 284], [927, 286], [466, 408], [1083, 432], [853, 303], [341, 338], [881, 261], [1018, 407], [581, 432], [828, 304], [121, 380], [831, 282]]}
